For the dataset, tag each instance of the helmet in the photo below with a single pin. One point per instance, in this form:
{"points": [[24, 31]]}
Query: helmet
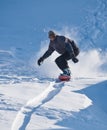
{"points": [[51, 33]]}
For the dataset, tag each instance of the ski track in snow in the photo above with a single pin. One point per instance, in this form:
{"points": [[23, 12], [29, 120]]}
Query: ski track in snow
{"points": [[24, 115]]}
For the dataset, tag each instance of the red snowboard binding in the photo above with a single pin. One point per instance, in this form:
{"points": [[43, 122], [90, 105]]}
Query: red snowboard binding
{"points": [[66, 75], [64, 78]]}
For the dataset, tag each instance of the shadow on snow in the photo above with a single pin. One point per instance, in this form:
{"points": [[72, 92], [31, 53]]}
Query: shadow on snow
{"points": [[94, 117]]}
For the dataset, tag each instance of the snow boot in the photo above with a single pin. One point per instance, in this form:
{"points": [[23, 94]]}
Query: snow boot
{"points": [[66, 72]]}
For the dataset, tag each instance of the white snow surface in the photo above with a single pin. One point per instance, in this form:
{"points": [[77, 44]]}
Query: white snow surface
{"points": [[45, 104]]}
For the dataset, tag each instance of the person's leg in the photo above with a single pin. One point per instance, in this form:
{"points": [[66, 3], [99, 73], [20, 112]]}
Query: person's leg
{"points": [[62, 63]]}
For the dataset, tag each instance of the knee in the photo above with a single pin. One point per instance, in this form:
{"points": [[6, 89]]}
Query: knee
{"points": [[57, 60]]}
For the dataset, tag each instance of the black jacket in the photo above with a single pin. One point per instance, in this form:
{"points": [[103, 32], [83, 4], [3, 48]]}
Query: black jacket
{"points": [[62, 44]]}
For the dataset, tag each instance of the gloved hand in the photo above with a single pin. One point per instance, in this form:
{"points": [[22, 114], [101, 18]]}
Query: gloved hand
{"points": [[75, 60], [40, 61]]}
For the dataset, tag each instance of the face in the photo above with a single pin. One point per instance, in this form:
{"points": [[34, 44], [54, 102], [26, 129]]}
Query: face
{"points": [[51, 38]]}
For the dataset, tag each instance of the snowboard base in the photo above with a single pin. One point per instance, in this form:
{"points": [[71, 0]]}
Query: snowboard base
{"points": [[64, 78]]}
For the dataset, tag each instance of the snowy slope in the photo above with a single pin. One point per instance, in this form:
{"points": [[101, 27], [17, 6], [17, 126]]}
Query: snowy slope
{"points": [[30, 96], [62, 105]]}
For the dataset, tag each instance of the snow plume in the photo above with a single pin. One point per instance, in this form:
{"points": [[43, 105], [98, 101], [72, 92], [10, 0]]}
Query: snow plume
{"points": [[91, 62]]}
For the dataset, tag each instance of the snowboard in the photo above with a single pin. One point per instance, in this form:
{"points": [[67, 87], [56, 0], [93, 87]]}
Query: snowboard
{"points": [[64, 78]]}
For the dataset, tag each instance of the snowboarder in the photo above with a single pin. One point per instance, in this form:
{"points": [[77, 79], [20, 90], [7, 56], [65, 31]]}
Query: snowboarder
{"points": [[64, 46]]}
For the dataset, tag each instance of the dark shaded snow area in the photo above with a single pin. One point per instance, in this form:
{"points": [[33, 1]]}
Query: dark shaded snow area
{"points": [[95, 116]]}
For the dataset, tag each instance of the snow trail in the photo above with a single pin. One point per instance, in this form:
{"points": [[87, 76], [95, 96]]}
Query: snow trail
{"points": [[24, 115]]}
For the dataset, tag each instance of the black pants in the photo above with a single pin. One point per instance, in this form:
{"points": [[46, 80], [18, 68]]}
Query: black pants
{"points": [[61, 61]]}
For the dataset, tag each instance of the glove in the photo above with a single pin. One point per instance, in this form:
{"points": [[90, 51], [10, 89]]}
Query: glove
{"points": [[75, 60], [40, 61]]}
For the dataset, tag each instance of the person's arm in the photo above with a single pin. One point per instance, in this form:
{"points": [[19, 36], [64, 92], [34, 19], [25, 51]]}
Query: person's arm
{"points": [[70, 50], [46, 54]]}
